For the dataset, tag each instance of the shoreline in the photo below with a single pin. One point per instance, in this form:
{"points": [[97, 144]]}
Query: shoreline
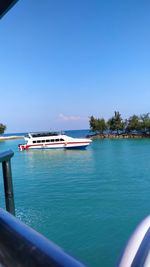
{"points": [[117, 136], [11, 137]]}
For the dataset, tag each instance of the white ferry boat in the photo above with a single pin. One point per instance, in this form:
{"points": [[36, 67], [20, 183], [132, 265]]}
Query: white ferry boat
{"points": [[48, 140]]}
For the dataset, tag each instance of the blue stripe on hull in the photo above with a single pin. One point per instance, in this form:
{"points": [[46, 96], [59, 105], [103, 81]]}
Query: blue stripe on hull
{"points": [[46, 148], [77, 147]]}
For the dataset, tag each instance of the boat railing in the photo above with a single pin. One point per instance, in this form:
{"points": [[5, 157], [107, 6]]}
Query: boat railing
{"points": [[5, 159], [20, 245]]}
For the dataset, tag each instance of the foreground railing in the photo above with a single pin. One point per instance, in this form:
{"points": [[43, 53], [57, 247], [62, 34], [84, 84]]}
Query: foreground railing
{"points": [[5, 158], [20, 245]]}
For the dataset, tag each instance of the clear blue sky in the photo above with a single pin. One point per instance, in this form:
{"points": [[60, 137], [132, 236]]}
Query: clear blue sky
{"points": [[63, 60]]}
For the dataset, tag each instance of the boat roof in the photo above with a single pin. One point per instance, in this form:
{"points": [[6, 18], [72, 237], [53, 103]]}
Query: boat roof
{"points": [[43, 134]]}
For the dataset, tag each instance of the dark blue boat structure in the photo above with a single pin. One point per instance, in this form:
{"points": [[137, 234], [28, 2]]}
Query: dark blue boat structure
{"points": [[5, 5]]}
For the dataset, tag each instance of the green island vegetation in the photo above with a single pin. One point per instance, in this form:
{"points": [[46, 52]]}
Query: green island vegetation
{"points": [[115, 127], [2, 128]]}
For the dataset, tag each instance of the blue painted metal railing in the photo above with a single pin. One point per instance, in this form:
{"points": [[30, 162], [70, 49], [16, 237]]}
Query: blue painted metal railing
{"points": [[20, 245], [5, 158]]}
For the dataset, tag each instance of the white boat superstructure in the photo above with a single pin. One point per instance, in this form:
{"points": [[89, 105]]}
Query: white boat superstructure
{"points": [[48, 140]]}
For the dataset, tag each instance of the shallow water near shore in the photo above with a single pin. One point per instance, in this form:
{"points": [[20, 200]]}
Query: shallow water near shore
{"points": [[87, 201]]}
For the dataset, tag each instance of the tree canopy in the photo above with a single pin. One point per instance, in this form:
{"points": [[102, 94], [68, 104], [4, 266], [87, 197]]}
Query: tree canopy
{"points": [[117, 125], [2, 128], [134, 124], [97, 125], [145, 122]]}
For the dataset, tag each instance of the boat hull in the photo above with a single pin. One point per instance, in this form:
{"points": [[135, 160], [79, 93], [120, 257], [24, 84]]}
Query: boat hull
{"points": [[54, 146]]}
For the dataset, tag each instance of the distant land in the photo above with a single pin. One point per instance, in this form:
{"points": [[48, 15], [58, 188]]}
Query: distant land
{"points": [[118, 136], [2, 138]]}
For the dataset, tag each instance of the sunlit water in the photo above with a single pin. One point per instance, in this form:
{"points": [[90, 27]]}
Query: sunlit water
{"points": [[87, 201]]}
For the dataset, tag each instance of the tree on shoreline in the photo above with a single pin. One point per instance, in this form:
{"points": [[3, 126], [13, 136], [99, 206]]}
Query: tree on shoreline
{"points": [[92, 122], [97, 125], [135, 124], [145, 122], [2, 128], [116, 123], [102, 126]]}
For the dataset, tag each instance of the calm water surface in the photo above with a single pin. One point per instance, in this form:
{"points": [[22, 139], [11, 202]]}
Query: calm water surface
{"points": [[88, 202]]}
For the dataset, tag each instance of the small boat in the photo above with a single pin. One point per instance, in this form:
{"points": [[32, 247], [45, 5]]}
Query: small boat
{"points": [[51, 140]]}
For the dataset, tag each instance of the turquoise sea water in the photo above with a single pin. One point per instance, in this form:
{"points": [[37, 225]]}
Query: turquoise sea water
{"points": [[87, 201]]}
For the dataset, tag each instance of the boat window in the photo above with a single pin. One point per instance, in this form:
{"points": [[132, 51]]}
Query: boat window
{"points": [[38, 141], [44, 134], [57, 140], [43, 141], [34, 142], [52, 140], [47, 140], [62, 139]]}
